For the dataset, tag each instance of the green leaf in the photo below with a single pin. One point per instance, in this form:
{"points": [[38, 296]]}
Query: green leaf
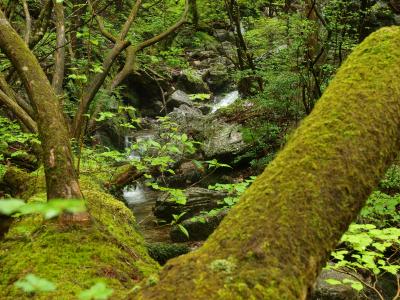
{"points": [[99, 291], [183, 230], [354, 284], [105, 115], [333, 281], [8, 207], [392, 269], [32, 284], [357, 286], [198, 164]]}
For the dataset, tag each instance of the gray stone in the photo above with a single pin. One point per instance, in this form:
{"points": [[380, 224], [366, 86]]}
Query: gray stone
{"points": [[177, 99], [219, 139], [326, 291], [217, 77], [223, 139], [224, 35], [191, 81]]}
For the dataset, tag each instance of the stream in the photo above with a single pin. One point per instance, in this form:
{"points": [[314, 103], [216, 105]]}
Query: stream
{"points": [[225, 100], [141, 199]]}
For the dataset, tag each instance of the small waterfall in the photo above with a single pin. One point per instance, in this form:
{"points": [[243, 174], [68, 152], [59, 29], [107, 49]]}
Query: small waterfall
{"points": [[134, 195], [130, 140], [225, 101]]}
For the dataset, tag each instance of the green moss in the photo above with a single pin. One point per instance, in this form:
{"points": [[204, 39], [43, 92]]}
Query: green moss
{"points": [[291, 218], [74, 257], [162, 252]]}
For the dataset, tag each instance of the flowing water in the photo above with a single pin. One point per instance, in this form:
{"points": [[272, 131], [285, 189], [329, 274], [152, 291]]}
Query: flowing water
{"points": [[225, 101], [141, 200]]}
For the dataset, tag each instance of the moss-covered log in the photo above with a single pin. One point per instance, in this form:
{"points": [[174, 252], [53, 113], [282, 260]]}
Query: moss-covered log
{"points": [[108, 249], [273, 244]]}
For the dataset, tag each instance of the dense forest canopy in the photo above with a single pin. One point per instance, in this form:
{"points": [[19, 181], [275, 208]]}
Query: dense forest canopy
{"points": [[129, 130]]}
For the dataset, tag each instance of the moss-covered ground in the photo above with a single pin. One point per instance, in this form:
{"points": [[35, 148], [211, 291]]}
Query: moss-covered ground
{"points": [[108, 249]]}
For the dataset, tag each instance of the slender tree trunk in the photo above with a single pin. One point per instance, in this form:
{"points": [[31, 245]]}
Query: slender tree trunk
{"points": [[395, 5], [195, 14], [61, 180], [273, 244], [58, 75]]}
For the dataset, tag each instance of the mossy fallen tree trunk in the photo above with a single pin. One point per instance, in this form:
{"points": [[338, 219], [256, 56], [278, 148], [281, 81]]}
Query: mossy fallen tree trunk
{"points": [[273, 244], [108, 249]]}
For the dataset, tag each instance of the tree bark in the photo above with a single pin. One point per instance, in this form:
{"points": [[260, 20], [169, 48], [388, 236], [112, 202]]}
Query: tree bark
{"points": [[273, 244], [58, 76], [61, 180]]}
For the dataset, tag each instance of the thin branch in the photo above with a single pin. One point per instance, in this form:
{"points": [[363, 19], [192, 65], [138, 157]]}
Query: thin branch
{"points": [[22, 115], [28, 22], [131, 52], [8, 90], [100, 23]]}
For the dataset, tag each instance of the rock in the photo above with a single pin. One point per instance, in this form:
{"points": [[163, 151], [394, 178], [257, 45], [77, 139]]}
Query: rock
{"points": [[177, 99], [162, 252], [205, 108], [228, 49], [198, 199], [198, 227], [202, 55], [224, 35], [223, 140], [186, 174], [190, 118], [191, 81], [217, 78], [219, 139], [326, 291]]}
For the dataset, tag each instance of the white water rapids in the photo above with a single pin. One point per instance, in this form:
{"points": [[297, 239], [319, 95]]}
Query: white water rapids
{"points": [[225, 101]]}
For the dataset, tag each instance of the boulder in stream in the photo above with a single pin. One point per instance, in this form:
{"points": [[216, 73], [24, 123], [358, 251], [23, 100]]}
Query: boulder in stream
{"points": [[191, 81], [178, 98], [217, 77], [220, 139]]}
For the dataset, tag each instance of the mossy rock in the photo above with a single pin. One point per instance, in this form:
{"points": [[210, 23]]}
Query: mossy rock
{"points": [[162, 252], [108, 249]]}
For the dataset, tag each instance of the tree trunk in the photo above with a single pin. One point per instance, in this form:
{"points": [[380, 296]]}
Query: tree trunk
{"points": [[273, 244], [58, 76], [60, 175]]}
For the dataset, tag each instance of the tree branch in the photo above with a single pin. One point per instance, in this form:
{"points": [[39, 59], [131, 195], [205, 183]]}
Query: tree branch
{"points": [[131, 52], [22, 116], [7, 89]]}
